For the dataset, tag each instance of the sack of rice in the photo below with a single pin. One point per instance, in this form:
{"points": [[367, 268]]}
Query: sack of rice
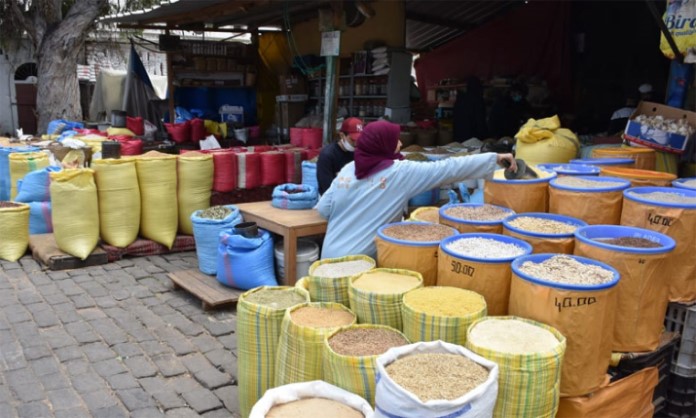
{"points": [[426, 214], [14, 230], [376, 296], [75, 207], [195, 171], [119, 200], [300, 354], [411, 246], [159, 205], [595, 200], [577, 296], [23, 163], [529, 355], [434, 379], [546, 232], [308, 400], [350, 354], [329, 279], [481, 263], [260, 314], [440, 313], [475, 217], [524, 195]]}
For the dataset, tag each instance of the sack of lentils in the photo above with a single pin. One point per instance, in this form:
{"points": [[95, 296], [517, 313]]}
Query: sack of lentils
{"points": [[546, 232], [440, 313], [481, 262], [412, 246], [524, 195], [475, 217], [640, 256], [434, 379], [376, 296], [670, 211], [260, 314], [329, 279], [595, 200], [577, 296], [300, 353], [350, 354], [529, 355]]}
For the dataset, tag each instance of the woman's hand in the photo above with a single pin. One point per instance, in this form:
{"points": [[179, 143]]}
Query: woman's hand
{"points": [[507, 160]]}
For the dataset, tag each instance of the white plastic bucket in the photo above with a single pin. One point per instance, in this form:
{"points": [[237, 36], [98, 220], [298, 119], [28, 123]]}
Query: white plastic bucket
{"points": [[307, 253]]}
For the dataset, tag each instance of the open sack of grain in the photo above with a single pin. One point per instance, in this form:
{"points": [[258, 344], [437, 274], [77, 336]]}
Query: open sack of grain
{"points": [[546, 232], [329, 279], [207, 225]]}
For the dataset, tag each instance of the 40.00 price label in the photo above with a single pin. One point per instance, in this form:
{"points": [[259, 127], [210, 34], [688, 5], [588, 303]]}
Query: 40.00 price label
{"points": [[573, 302]]}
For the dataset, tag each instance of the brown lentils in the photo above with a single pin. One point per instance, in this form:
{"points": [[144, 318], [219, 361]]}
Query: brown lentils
{"points": [[416, 232], [316, 317], [629, 242], [478, 213], [365, 341]]}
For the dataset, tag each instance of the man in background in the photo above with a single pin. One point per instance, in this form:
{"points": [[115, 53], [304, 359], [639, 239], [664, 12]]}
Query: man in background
{"points": [[337, 154]]}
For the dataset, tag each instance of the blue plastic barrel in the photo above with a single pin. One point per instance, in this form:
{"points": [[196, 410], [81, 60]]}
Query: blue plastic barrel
{"points": [[540, 258], [635, 193], [680, 183], [571, 169], [496, 237], [551, 216], [590, 234]]}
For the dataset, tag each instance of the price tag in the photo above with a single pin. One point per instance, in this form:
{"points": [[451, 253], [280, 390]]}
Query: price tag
{"points": [[331, 43]]}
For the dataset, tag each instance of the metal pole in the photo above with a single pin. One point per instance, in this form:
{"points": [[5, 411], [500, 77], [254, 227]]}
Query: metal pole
{"points": [[329, 99]]}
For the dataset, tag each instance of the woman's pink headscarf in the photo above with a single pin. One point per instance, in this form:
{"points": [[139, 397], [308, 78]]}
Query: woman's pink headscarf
{"points": [[375, 149]]}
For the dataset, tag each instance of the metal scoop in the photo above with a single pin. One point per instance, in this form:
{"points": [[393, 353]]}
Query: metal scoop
{"points": [[523, 172]]}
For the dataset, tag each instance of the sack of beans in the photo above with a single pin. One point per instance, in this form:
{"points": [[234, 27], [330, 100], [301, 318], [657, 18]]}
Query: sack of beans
{"points": [[435, 379], [523, 195], [195, 171], [329, 279], [640, 256], [300, 353], [14, 230], [310, 399], [529, 355], [159, 215], [481, 263], [119, 200], [685, 183], [23, 163], [412, 246], [595, 200], [474, 217], [577, 296], [546, 232], [260, 313], [670, 211], [440, 313], [350, 354], [426, 214], [75, 211], [207, 225]]}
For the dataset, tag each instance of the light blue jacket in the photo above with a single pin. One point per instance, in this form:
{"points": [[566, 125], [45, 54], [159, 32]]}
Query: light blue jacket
{"points": [[356, 208]]}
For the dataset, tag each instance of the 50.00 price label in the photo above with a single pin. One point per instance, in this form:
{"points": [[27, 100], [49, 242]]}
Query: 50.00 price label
{"points": [[464, 269]]}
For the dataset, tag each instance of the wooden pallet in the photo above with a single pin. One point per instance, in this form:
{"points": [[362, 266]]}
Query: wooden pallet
{"points": [[44, 249], [206, 288]]}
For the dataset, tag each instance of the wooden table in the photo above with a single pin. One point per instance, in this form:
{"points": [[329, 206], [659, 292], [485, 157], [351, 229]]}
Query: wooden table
{"points": [[291, 224]]}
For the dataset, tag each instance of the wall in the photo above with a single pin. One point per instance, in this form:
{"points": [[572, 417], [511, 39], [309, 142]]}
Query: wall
{"points": [[8, 65]]}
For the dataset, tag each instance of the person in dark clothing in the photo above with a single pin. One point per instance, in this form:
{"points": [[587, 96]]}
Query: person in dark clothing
{"points": [[470, 112], [334, 156], [509, 112]]}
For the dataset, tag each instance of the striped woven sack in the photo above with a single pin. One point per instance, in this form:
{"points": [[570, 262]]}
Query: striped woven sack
{"points": [[380, 308], [529, 385], [356, 374], [445, 319], [333, 289], [258, 330], [300, 353], [303, 283]]}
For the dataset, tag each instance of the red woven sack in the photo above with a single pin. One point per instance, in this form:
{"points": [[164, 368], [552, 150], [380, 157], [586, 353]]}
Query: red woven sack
{"points": [[248, 170], [224, 170], [179, 132], [272, 168], [197, 130], [135, 125]]}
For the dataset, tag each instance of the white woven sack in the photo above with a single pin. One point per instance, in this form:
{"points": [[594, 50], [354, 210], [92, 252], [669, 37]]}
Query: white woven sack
{"points": [[314, 389], [392, 401]]}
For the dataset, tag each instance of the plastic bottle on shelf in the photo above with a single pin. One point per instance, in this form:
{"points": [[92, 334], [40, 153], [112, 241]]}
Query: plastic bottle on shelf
{"points": [[361, 110]]}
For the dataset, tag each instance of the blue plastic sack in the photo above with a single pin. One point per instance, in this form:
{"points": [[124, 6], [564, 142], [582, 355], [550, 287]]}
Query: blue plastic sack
{"points": [[427, 198], [182, 114], [35, 186], [245, 263], [5, 181], [206, 233], [58, 126], [40, 218], [309, 174], [294, 196]]}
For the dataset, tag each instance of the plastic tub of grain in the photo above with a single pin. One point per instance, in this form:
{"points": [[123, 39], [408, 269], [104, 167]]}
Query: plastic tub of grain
{"points": [[412, 246], [595, 200], [300, 353], [376, 296], [546, 232], [441, 313], [350, 354], [685, 183], [525, 195], [670, 211], [577, 296], [606, 162], [639, 178], [639, 255], [531, 390], [329, 279], [571, 169], [260, 314], [435, 379], [475, 217], [426, 214], [310, 400], [481, 263], [644, 158]]}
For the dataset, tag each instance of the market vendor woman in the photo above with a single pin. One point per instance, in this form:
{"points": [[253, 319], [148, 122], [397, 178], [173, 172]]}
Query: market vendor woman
{"points": [[373, 190]]}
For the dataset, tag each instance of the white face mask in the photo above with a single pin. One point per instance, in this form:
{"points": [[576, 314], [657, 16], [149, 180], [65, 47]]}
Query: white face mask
{"points": [[347, 145]]}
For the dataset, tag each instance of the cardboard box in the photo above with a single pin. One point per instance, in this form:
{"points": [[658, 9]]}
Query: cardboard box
{"points": [[655, 138], [292, 84]]}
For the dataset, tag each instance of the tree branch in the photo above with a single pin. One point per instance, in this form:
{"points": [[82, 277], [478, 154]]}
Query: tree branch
{"points": [[19, 15]]}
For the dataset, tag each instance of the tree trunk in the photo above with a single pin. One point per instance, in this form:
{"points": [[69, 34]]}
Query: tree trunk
{"points": [[58, 90]]}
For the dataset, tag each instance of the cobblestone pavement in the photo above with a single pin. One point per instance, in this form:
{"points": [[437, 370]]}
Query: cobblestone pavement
{"points": [[112, 341]]}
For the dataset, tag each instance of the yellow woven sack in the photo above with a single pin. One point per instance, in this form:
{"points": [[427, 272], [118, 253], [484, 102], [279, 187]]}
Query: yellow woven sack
{"points": [[195, 185], [356, 374], [14, 230], [159, 205], [215, 128], [119, 131], [303, 283], [426, 214], [528, 384], [75, 211], [544, 141], [519, 195], [440, 313], [300, 354], [258, 331], [23, 163], [332, 289], [119, 200]]}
